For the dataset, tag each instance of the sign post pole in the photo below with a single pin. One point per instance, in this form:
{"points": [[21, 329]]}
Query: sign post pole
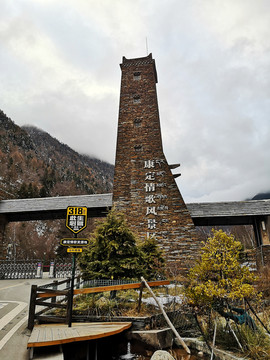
{"points": [[76, 221], [72, 286]]}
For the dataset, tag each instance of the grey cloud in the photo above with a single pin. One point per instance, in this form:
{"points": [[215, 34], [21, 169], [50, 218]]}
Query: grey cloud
{"points": [[60, 72]]}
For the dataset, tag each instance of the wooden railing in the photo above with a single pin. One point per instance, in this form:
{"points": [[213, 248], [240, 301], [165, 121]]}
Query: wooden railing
{"points": [[39, 295], [51, 291]]}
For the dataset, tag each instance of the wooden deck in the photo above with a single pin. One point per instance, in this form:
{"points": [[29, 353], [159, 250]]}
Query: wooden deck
{"points": [[55, 334]]}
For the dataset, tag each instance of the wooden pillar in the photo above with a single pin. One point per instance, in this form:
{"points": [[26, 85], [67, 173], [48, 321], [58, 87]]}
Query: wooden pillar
{"points": [[3, 248], [262, 230], [257, 233], [32, 307]]}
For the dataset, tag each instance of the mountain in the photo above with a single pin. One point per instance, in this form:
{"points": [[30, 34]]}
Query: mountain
{"points": [[34, 164], [261, 196]]}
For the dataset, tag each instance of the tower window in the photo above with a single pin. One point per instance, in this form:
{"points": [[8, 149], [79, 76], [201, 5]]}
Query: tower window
{"points": [[137, 76], [137, 122], [138, 147], [136, 99]]}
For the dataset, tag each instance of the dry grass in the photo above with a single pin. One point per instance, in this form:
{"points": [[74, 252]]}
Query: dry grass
{"points": [[124, 304], [256, 344]]}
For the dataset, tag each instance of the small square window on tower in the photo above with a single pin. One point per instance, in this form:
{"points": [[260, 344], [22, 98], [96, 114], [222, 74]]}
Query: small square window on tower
{"points": [[136, 99], [137, 122], [137, 75], [138, 148]]}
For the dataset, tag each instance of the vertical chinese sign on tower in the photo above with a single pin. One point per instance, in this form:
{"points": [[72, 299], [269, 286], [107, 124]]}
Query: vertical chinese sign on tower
{"points": [[155, 199]]}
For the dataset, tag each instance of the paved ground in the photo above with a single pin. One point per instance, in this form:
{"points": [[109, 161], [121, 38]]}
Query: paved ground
{"points": [[14, 301]]}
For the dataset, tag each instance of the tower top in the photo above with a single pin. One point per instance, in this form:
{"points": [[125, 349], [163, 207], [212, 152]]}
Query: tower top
{"points": [[138, 62]]}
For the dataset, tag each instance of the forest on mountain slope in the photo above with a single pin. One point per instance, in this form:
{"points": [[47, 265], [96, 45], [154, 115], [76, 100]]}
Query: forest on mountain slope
{"points": [[34, 164]]}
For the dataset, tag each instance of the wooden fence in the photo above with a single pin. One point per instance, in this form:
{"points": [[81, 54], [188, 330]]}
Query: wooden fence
{"points": [[52, 292], [39, 295]]}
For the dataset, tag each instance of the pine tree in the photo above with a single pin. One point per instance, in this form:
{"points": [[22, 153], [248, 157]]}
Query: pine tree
{"points": [[154, 262], [113, 252], [22, 192]]}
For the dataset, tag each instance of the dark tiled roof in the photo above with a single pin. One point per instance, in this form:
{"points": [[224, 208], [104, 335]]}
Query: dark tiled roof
{"points": [[55, 203], [212, 213], [230, 208]]}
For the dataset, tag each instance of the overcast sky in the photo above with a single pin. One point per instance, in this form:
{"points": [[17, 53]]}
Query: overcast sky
{"points": [[59, 71]]}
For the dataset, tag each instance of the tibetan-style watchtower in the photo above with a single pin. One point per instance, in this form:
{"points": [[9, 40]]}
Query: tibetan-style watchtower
{"points": [[144, 186]]}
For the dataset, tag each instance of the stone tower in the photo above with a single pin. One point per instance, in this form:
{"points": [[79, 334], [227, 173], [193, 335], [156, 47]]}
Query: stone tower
{"points": [[144, 186]]}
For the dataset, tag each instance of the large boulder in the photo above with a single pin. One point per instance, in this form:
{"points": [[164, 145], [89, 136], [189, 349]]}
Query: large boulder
{"points": [[161, 355], [158, 338]]}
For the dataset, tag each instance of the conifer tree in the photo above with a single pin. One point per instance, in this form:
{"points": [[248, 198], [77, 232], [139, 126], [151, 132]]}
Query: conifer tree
{"points": [[153, 259], [113, 252]]}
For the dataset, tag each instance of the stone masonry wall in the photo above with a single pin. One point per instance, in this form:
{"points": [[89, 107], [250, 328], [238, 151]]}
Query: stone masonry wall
{"points": [[144, 186]]}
